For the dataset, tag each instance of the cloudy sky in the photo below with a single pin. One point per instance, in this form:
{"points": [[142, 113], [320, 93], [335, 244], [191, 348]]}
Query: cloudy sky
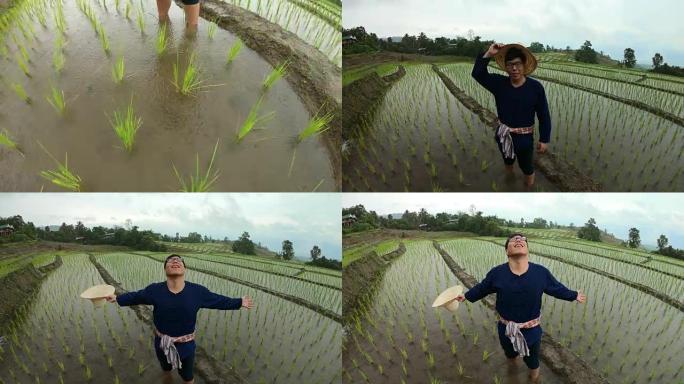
{"points": [[305, 219], [647, 26], [652, 213]]}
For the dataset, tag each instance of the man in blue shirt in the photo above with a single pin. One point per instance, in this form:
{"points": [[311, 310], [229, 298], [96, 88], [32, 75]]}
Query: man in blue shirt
{"points": [[519, 285], [518, 98], [176, 303]]}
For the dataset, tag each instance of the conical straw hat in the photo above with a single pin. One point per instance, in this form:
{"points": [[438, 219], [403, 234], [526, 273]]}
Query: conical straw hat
{"points": [[97, 293], [446, 298], [530, 59]]}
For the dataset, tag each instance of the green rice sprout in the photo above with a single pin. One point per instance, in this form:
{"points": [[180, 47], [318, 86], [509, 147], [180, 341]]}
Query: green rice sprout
{"points": [[104, 40], [119, 70], [24, 66], [234, 50], [275, 75], [57, 100], [317, 124], [252, 120], [58, 60], [198, 182], [161, 40], [7, 142], [128, 10], [141, 21], [126, 125], [62, 176], [21, 92], [212, 29], [190, 81]]}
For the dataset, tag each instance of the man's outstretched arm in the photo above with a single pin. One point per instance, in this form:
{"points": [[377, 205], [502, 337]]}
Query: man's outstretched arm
{"points": [[132, 298], [211, 300], [560, 291], [481, 289]]}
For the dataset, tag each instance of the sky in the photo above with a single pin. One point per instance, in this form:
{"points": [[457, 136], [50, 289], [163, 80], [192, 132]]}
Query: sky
{"points": [[652, 213], [306, 219], [646, 26]]}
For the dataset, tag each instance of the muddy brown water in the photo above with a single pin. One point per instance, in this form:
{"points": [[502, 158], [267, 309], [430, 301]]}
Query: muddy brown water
{"points": [[395, 311], [175, 128], [392, 127]]}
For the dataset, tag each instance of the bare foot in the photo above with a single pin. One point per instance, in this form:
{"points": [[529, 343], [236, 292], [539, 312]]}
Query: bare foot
{"points": [[534, 376]]}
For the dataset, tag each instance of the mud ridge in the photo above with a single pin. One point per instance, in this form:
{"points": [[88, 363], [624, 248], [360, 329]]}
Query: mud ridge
{"points": [[362, 98], [18, 288], [294, 277], [556, 357], [208, 368], [316, 80], [648, 290], [360, 278], [297, 300], [564, 175]]}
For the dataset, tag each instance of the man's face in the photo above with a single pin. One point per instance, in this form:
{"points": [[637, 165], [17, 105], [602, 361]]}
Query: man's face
{"points": [[514, 68], [517, 246], [175, 267]]}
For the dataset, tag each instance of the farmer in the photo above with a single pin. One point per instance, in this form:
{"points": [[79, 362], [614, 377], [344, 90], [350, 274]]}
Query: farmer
{"points": [[191, 8], [176, 303], [519, 285], [518, 98]]}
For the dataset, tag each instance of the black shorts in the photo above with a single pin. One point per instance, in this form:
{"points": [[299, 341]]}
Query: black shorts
{"points": [[190, 2], [532, 361], [186, 365], [524, 156]]}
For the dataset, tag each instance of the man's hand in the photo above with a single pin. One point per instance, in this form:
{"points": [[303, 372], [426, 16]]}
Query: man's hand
{"points": [[541, 147], [459, 298], [111, 298], [581, 298], [493, 50], [247, 302]]}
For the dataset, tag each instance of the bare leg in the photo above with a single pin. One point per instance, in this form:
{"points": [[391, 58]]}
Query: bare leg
{"points": [[166, 377], [534, 375], [529, 181], [191, 16], [509, 168], [163, 7]]}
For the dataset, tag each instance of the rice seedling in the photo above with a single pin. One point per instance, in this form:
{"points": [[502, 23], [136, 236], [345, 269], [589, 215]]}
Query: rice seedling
{"points": [[58, 60], [23, 66], [212, 29], [21, 92], [7, 142], [161, 39], [62, 176], [190, 81], [318, 124], [275, 75], [128, 9], [126, 125], [253, 119], [199, 182], [57, 100], [234, 51], [119, 70], [104, 40], [141, 21]]}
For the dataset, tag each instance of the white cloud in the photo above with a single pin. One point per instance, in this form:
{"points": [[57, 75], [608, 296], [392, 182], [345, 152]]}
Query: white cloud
{"points": [[305, 219], [652, 213], [611, 25]]}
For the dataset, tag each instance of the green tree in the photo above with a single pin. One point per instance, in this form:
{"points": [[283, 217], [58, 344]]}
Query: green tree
{"points": [[662, 242], [288, 251], [244, 245], [657, 60], [590, 231], [634, 238], [630, 59], [586, 53], [315, 253], [536, 47]]}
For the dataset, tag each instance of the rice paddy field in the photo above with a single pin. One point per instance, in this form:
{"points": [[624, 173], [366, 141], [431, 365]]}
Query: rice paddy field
{"points": [[90, 85], [622, 128], [626, 334], [60, 338]]}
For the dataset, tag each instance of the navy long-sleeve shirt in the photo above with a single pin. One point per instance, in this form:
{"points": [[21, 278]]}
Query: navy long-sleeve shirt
{"points": [[519, 298], [516, 107], [175, 314]]}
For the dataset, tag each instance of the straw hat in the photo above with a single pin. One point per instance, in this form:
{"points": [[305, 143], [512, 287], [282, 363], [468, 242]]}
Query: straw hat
{"points": [[97, 293], [530, 59], [446, 298]]}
